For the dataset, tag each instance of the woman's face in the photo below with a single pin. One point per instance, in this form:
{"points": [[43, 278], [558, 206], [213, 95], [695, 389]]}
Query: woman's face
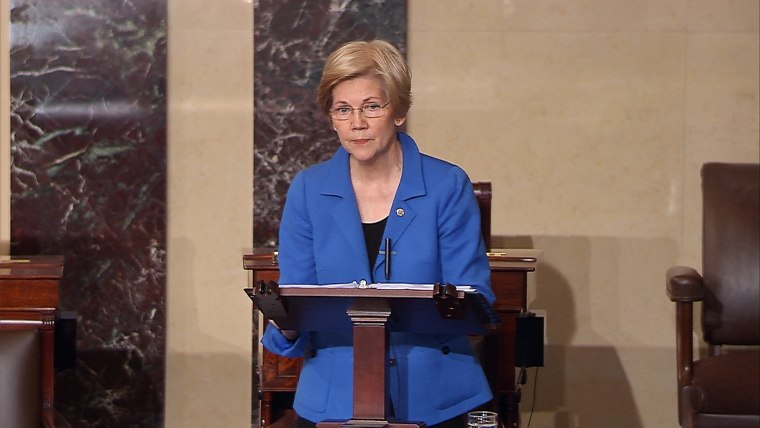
{"points": [[367, 139]]}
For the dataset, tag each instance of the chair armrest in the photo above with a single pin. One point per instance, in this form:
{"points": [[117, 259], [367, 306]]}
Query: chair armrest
{"points": [[684, 284]]}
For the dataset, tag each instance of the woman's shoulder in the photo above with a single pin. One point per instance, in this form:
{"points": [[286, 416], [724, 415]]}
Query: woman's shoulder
{"points": [[434, 162], [315, 171], [429, 164], [437, 168], [326, 177]]}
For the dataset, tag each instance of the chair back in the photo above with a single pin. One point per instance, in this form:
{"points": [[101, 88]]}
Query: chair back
{"points": [[731, 253], [482, 191]]}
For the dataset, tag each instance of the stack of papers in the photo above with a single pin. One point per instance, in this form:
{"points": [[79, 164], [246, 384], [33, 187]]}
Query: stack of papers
{"points": [[380, 286]]}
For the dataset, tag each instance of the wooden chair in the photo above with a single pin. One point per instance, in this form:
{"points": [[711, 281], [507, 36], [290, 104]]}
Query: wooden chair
{"points": [[483, 195], [722, 388]]}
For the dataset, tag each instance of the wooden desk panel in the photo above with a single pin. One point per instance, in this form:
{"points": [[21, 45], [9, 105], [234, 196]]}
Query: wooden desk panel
{"points": [[509, 274], [28, 300]]}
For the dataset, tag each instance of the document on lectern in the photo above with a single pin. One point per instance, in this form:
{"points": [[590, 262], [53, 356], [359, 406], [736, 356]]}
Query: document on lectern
{"points": [[379, 286]]}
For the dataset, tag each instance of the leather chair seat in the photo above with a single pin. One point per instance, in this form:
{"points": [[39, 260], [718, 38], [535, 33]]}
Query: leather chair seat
{"points": [[725, 384], [706, 420]]}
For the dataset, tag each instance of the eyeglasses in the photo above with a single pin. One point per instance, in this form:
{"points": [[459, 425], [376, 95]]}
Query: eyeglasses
{"points": [[369, 110]]}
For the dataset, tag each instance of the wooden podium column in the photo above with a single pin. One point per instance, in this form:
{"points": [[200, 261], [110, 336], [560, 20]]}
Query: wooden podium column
{"points": [[435, 309], [369, 317]]}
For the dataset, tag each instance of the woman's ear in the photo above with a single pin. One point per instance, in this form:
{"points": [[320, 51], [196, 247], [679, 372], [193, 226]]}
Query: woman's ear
{"points": [[399, 121]]}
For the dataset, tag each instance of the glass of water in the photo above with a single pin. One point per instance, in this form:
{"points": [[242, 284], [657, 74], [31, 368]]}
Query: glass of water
{"points": [[482, 419]]}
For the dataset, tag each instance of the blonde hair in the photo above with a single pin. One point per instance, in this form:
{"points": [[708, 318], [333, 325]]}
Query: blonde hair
{"points": [[375, 58]]}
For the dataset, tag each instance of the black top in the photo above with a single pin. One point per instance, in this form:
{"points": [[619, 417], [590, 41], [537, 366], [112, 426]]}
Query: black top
{"points": [[373, 235]]}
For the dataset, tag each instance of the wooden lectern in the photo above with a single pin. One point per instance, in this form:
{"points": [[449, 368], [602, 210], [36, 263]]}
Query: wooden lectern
{"points": [[278, 375], [367, 311]]}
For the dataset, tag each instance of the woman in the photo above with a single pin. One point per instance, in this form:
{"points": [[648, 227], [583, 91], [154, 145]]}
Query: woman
{"points": [[378, 188]]}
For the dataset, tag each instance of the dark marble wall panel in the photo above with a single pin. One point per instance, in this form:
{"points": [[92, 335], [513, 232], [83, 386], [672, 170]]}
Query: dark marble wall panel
{"points": [[292, 38], [88, 150]]}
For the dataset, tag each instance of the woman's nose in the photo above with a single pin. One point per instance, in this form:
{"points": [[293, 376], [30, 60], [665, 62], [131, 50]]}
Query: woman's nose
{"points": [[358, 121]]}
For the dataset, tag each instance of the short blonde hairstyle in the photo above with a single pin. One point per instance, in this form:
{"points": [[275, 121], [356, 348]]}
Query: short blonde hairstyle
{"points": [[375, 58]]}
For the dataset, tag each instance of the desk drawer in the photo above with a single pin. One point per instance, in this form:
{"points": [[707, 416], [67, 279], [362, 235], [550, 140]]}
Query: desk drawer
{"points": [[20, 293], [510, 290]]}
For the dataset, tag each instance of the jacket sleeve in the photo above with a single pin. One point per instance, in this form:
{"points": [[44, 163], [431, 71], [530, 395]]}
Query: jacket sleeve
{"points": [[277, 343], [296, 260], [462, 249], [296, 241]]}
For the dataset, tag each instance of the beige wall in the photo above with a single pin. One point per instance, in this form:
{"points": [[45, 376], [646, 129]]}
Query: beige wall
{"points": [[210, 88], [591, 119], [5, 136]]}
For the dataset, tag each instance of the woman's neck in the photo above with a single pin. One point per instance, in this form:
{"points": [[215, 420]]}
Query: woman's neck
{"points": [[375, 185], [382, 168]]}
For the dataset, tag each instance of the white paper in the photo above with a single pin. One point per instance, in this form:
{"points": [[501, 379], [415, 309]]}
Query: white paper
{"points": [[380, 286]]}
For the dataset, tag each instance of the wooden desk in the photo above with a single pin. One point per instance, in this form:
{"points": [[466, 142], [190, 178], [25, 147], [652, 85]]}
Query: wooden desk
{"points": [[509, 279], [28, 300]]}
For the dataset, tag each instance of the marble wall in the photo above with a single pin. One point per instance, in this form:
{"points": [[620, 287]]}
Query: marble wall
{"points": [[88, 180], [291, 41]]}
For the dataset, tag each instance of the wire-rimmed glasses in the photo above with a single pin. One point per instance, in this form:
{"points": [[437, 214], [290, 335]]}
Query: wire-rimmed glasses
{"points": [[368, 110]]}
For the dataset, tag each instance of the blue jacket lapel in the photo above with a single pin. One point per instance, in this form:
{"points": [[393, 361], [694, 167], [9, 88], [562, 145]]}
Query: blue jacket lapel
{"points": [[412, 186], [341, 202]]}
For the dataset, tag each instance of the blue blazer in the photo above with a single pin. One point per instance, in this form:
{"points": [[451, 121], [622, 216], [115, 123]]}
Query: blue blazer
{"points": [[434, 228]]}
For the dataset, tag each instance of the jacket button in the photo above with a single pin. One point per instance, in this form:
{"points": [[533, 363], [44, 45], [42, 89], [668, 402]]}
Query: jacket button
{"points": [[392, 362], [445, 350]]}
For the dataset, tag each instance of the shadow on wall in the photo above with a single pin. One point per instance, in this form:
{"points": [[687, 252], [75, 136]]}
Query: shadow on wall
{"points": [[209, 374], [579, 386]]}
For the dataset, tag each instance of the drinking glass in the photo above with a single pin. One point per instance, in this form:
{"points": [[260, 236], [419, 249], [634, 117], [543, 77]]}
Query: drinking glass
{"points": [[482, 419]]}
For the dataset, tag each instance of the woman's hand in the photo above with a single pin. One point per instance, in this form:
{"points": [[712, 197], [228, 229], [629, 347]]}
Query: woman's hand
{"points": [[289, 334]]}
